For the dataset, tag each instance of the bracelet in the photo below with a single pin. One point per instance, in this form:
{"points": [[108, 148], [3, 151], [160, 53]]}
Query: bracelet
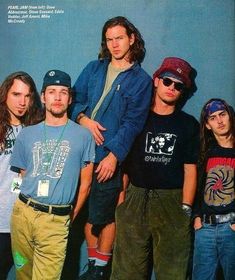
{"points": [[80, 116], [187, 209]]}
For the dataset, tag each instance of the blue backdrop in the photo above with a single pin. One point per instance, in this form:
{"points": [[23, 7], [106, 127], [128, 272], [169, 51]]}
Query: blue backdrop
{"points": [[38, 35]]}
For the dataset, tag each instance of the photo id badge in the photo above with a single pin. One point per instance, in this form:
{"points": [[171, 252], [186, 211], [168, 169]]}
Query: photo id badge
{"points": [[43, 188], [15, 185]]}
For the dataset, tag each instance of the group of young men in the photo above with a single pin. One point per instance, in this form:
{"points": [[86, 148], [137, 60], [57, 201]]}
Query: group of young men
{"points": [[136, 154]]}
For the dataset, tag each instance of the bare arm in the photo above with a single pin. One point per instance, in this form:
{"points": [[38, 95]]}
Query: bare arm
{"points": [[190, 183], [122, 195], [84, 189]]}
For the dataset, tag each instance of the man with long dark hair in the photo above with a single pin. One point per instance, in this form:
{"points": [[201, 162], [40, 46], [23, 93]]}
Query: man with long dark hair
{"points": [[112, 96], [214, 221], [19, 106]]}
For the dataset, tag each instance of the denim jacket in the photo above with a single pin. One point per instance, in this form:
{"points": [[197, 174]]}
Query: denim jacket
{"points": [[123, 111]]}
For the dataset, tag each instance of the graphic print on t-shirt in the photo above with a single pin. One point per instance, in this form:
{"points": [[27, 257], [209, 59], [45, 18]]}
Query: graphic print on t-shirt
{"points": [[9, 142], [159, 148], [49, 158], [219, 190], [162, 143]]}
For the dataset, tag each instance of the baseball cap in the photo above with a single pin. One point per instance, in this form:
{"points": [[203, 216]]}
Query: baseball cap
{"points": [[56, 77]]}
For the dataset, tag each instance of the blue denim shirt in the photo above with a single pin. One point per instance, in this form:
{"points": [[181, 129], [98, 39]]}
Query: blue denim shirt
{"points": [[123, 111]]}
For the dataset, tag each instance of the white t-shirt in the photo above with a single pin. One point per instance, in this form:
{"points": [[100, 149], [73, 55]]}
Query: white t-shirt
{"points": [[7, 197]]}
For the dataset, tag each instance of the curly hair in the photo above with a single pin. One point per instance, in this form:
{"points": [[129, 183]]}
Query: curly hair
{"points": [[137, 50], [207, 138], [34, 111]]}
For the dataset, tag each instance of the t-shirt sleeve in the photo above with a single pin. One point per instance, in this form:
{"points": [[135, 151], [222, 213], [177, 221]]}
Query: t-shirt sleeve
{"points": [[191, 150]]}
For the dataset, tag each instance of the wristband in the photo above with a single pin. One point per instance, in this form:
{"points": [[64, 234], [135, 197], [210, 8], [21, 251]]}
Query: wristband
{"points": [[80, 116], [187, 209]]}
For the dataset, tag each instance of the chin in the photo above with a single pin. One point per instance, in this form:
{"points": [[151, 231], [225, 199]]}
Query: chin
{"points": [[58, 114], [20, 115]]}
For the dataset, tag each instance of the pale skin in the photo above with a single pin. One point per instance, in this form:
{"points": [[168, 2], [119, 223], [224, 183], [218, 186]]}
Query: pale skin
{"points": [[84, 189], [219, 124], [56, 100], [118, 43]]}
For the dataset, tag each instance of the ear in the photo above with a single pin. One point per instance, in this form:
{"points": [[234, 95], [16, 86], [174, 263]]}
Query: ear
{"points": [[156, 81], [70, 99], [208, 126], [132, 39], [43, 97]]}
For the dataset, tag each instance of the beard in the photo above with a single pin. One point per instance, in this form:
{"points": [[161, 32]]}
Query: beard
{"points": [[57, 113]]}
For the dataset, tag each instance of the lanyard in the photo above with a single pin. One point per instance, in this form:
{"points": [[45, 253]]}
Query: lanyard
{"points": [[58, 141]]}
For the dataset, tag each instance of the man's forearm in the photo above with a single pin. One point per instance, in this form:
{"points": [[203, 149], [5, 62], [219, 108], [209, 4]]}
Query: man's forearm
{"points": [[84, 188], [190, 183], [80, 116]]}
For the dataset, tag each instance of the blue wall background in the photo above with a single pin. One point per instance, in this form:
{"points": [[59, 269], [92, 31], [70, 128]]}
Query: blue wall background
{"points": [[202, 32]]}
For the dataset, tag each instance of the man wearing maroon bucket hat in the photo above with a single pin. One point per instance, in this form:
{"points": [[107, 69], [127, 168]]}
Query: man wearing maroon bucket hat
{"points": [[161, 171]]}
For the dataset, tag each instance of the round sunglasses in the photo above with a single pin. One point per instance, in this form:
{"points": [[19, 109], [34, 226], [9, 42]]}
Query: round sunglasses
{"points": [[177, 85]]}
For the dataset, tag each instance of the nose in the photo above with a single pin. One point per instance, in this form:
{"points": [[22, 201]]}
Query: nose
{"points": [[219, 119], [57, 96], [172, 86], [114, 43], [23, 100]]}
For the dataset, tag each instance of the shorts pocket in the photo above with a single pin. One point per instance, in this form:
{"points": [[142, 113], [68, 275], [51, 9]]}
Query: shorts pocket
{"points": [[17, 209]]}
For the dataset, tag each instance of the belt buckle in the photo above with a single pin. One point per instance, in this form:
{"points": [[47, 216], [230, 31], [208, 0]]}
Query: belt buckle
{"points": [[212, 219]]}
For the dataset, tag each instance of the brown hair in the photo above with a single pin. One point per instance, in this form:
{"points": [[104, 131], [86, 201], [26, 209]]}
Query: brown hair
{"points": [[137, 50], [33, 114]]}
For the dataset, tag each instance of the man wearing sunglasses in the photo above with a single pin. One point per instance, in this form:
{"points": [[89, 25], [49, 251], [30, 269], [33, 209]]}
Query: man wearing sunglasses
{"points": [[161, 171]]}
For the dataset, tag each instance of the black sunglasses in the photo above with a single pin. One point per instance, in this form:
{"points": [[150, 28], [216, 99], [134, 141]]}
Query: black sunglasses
{"points": [[177, 85]]}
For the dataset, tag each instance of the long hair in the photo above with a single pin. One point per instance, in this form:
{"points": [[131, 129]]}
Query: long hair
{"points": [[33, 113], [137, 50], [207, 138]]}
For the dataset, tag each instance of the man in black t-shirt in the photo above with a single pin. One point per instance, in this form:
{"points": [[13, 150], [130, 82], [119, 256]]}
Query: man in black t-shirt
{"points": [[214, 221], [161, 172]]}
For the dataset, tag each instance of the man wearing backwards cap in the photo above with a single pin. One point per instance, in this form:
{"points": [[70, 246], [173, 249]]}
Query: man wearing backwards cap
{"points": [[214, 221], [53, 156], [155, 216]]}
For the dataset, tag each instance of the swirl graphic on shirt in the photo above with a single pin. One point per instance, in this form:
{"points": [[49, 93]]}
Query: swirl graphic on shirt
{"points": [[219, 188], [49, 158]]}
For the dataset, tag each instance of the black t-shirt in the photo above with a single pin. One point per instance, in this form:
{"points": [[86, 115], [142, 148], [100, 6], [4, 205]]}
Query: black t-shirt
{"points": [[218, 194], [159, 153]]}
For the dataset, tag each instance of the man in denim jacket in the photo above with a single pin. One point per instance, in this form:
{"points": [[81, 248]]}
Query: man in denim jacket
{"points": [[112, 98]]}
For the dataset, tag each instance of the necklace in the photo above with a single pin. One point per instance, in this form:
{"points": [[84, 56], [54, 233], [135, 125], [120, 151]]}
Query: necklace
{"points": [[58, 141]]}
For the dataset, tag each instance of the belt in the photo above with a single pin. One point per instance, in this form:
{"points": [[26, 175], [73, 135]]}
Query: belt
{"points": [[60, 211], [218, 219]]}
